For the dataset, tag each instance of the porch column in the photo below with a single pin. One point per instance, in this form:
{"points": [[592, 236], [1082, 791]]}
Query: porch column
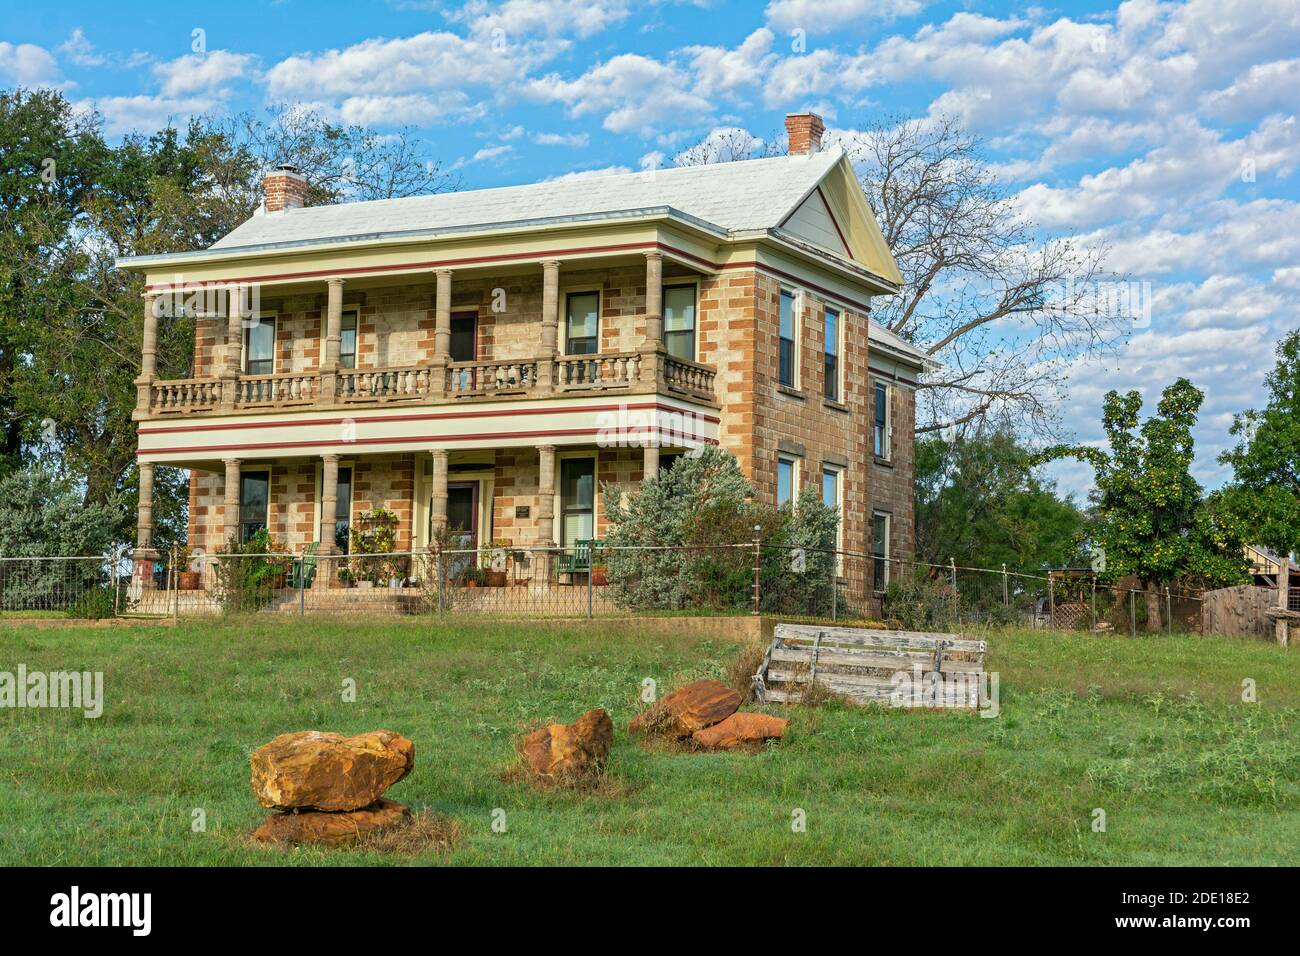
{"points": [[653, 346], [148, 356], [234, 353], [232, 500], [652, 458], [442, 317], [546, 496], [329, 499], [145, 555], [438, 498], [333, 340], [550, 321]]}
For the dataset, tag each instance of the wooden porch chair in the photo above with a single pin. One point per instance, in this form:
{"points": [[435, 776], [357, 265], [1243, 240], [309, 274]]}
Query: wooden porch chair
{"points": [[578, 560], [304, 568]]}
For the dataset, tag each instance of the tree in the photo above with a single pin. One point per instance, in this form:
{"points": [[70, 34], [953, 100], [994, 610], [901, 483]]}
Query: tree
{"points": [[1152, 520], [1003, 310], [980, 499], [1266, 459], [71, 323], [681, 540]]}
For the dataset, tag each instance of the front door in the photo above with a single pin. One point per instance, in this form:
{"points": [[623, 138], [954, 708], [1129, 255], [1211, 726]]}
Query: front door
{"points": [[462, 523]]}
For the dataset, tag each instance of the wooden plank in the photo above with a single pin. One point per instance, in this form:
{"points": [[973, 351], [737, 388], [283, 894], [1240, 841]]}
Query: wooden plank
{"points": [[882, 660], [869, 637]]}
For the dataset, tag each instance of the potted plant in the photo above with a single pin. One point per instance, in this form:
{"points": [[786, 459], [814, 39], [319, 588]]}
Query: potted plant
{"points": [[474, 577], [495, 563], [599, 570], [187, 577], [519, 561]]}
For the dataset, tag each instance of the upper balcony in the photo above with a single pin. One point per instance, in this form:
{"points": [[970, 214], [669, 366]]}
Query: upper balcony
{"points": [[628, 324], [452, 382]]}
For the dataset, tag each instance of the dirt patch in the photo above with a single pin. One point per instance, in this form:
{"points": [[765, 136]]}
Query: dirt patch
{"points": [[423, 832]]}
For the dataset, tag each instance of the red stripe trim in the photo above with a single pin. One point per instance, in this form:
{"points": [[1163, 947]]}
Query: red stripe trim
{"points": [[436, 264], [430, 416], [410, 439]]}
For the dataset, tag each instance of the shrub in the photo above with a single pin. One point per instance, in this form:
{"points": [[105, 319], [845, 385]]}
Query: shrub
{"points": [[690, 530], [246, 573], [94, 603], [920, 602]]}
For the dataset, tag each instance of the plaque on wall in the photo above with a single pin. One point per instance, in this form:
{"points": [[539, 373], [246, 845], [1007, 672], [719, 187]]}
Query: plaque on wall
{"points": [[523, 511]]}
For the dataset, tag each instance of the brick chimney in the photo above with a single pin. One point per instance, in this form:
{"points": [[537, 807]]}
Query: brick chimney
{"points": [[285, 188], [804, 131]]}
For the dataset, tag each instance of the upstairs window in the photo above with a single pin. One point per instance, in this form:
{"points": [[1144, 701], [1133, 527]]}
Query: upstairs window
{"points": [[787, 340], [259, 346], [679, 321], [348, 340], [786, 475], [582, 323], [832, 351], [880, 429]]}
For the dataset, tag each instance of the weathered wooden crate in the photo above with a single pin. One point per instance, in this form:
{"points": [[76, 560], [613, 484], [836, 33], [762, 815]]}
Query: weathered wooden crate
{"points": [[905, 668]]}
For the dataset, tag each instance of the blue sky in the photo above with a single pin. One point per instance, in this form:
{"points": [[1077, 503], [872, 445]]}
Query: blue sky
{"points": [[1166, 131]]}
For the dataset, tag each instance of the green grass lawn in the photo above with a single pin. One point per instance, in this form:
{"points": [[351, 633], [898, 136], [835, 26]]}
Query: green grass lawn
{"points": [[1152, 731]]}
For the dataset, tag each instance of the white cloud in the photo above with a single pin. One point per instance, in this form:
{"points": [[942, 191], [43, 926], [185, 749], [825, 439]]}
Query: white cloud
{"points": [[80, 50], [516, 18], [27, 64], [1264, 87], [202, 72], [823, 16], [561, 139], [421, 63], [724, 72], [588, 174], [127, 114], [635, 93]]}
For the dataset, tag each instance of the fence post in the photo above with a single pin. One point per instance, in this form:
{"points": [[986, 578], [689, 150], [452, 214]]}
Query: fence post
{"points": [[1132, 614], [173, 580], [591, 573], [441, 580], [835, 586], [1093, 604], [758, 555], [1006, 594], [112, 576], [302, 584], [952, 572], [1051, 601], [1169, 611]]}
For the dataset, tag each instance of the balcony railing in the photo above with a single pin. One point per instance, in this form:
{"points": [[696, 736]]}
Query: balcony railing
{"points": [[617, 371]]}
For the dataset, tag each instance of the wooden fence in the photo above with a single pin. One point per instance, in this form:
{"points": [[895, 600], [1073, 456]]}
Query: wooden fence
{"points": [[1239, 612]]}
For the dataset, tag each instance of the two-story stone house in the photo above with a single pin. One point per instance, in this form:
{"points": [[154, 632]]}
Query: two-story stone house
{"points": [[486, 359]]}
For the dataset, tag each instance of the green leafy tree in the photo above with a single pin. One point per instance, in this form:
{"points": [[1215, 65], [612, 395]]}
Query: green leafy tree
{"points": [[980, 500], [1266, 459], [673, 542], [1152, 520]]}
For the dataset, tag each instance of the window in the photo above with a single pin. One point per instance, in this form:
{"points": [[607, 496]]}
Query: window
{"points": [[679, 321], [880, 550], [831, 486], [667, 460], [259, 346], [348, 340], [254, 499], [577, 500], [786, 475], [464, 337], [343, 511], [787, 343], [831, 348], [881, 430], [582, 322]]}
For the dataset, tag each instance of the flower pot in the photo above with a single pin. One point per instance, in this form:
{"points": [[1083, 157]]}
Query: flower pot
{"points": [[598, 578], [471, 583], [495, 579], [189, 580]]}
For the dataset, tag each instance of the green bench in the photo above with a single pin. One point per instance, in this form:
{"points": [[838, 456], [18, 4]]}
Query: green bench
{"points": [[577, 560]]}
